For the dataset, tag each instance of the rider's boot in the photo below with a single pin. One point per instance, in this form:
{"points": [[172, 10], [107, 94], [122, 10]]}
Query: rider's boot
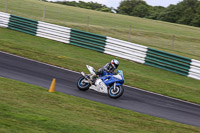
{"points": [[93, 78]]}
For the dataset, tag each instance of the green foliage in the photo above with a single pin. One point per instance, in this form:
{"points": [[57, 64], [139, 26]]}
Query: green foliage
{"points": [[196, 20], [137, 8], [186, 12], [140, 11], [154, 12], [88, 5], [170, 14]]}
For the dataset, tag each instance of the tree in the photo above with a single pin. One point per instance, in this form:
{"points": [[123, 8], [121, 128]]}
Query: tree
{"points": [[140, 10], [171, 14], [155, 11], [187, 16], [185, 12], [195, 20], [137, 8], [87, 5]]}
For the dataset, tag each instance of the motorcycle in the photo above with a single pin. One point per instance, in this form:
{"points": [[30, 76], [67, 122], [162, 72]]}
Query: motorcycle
{"points": [[108, 83]]}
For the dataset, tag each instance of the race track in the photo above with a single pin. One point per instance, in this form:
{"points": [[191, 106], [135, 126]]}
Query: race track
{"points": [[41, 74]]}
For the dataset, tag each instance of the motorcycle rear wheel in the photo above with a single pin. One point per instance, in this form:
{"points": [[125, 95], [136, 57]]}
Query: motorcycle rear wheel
{"points": [[81, 85], [115, 94]]}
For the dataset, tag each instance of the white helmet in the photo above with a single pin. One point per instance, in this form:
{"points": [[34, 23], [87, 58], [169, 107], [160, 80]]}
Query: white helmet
{"points": [[115, 63]]}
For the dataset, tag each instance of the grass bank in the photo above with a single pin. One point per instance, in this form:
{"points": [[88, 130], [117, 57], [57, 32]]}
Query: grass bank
{"points": [[151, 33], [27, 108], [75, 58]]}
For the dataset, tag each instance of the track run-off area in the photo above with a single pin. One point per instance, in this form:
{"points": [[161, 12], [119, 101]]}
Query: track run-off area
{"points": [[41, 74]]}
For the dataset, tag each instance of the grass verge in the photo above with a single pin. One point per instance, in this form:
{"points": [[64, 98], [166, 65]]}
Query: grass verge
{"points": [[27, 108], [75, 58]]}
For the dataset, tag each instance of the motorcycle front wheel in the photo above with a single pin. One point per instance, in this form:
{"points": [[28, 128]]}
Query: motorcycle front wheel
{"points": [[83, 85], [119, 90]]}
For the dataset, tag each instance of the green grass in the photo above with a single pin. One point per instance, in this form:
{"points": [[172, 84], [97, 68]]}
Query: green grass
{"points": [[75, 58], [151, 33], [26, 108]]}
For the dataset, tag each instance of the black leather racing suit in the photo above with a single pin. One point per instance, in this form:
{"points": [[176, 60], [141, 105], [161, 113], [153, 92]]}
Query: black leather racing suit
{"points": [[108, 68]]}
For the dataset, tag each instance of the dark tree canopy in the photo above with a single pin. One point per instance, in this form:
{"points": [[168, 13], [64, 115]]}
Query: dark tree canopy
{"points": [[137, 8], [87, 5], [186, 12]]}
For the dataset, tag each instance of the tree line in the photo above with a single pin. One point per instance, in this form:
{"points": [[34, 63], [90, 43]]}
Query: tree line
{"points": [[186, 12], [88, 5]]}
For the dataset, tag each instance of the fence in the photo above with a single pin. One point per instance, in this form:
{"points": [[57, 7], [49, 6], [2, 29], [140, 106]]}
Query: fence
{"points": [[87, 40], [127, 50], [4, 19], [53, 32], [167, 61], [22, 24], [194, 71]]}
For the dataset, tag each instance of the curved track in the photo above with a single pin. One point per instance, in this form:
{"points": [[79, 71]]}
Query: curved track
{"points": [[41, 74]]}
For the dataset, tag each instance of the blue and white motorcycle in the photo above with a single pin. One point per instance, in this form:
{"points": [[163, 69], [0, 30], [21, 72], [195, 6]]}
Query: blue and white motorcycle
{"points": [[108, 83]]}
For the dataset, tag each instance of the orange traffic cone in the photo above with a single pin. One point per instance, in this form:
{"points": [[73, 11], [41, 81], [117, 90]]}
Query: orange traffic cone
{"points": [[52, 87]]}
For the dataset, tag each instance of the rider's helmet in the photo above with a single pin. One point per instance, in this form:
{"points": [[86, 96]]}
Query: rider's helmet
{"points": [[114, 63]]}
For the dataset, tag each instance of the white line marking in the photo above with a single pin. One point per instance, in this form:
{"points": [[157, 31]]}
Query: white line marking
{"points": [[79, 73]]}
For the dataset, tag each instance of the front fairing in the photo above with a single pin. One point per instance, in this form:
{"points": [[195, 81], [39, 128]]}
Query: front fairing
{"points": [[108, 78]]}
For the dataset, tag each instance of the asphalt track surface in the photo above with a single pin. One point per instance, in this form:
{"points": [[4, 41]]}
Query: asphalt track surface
{"points": [[40, 74]]}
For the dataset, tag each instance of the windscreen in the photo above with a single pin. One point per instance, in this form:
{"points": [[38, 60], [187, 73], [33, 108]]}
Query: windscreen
{"points": [[120, 72]]}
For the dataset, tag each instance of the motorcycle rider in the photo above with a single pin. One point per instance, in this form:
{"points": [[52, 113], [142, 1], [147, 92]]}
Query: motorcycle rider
{"points": [[109, 67]]}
